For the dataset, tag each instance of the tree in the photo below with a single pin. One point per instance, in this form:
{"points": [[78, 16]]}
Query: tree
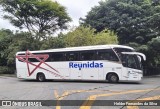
{"points": [[54, 42], [154, 52], [84, 36], [40, 17], [154, 20], [10, 44], [136, 22], [5, 41], [155, 2], [21, 41], [6, 37], [80, 36], [128, 18], [105, 37]]}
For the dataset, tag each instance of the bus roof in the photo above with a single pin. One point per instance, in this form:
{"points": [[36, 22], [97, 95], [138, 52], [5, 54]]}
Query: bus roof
{"points": [[80, 48]]}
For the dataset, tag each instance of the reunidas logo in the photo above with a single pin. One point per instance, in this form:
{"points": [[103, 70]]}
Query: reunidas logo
{"points": [[85, 65]]}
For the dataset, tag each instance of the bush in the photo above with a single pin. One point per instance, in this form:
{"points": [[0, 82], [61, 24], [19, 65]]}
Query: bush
{"points": [[152, 71], [6, 70]]}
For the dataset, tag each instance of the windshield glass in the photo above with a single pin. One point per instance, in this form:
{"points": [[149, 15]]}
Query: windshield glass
{"points": [[131, 61]]}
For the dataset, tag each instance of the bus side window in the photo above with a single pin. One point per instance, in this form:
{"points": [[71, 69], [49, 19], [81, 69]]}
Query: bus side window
{"points": [[107, 55], [87, 55], [21, 60], [57, 57], [103, 55], [72, 56], [33, 60]]}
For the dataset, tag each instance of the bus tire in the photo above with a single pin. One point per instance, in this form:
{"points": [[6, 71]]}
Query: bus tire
{"points": [[113, 78], [41, 77]]}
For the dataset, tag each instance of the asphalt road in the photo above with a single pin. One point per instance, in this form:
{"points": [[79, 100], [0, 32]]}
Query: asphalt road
{"points": [[89, 91]]}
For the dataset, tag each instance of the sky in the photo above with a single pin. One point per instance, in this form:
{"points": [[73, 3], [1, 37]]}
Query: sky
{"points": [[75, 9]]}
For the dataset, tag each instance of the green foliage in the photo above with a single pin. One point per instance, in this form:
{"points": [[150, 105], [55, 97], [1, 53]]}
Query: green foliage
{"points": [[40, 17], [5, 69], [5, 33], [11, 43], [105, 37], [83, 36], [130, 19], [133, 44], [154, 52], [53, 42], [21, 42], [151, 50], [80, 36], [136, 22], [5, 41]]}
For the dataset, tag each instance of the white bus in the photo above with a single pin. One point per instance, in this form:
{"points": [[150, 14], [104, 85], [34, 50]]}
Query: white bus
{"points": [[101, 62]]}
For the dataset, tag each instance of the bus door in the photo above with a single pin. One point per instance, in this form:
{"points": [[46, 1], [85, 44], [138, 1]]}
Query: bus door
{"points": [[129, 64], [132, 65]]}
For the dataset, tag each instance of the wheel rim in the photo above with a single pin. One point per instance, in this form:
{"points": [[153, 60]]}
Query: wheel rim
{"points": [[113, 78], [41, 78]]}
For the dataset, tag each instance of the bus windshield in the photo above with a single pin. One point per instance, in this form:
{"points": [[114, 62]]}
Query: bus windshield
{"points": [[131, 61]]}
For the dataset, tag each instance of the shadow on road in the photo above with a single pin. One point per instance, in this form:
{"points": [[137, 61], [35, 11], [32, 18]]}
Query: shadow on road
{"points": [[78, 81]]}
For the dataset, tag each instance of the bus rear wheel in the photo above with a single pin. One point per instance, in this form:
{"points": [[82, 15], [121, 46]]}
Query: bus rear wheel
{"points": [[113, 78], [41, 77]]}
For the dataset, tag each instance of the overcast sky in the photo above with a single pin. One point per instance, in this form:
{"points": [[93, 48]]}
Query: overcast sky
{"points": [[75, 9]]}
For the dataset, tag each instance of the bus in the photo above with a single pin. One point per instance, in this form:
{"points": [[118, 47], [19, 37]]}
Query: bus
{"points": [[111, 63]]}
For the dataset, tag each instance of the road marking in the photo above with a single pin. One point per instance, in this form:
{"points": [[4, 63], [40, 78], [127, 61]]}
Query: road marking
{"points": [[68, 92], [80, 91], [148, 99], [58, 97], [90, 100]]}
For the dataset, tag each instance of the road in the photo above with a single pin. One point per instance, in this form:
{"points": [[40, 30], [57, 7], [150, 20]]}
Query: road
{"points": [[89, 91]]}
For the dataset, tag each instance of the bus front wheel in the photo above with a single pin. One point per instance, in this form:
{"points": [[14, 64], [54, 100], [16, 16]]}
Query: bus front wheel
{"points": [[41, 77], [113, 78]]}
